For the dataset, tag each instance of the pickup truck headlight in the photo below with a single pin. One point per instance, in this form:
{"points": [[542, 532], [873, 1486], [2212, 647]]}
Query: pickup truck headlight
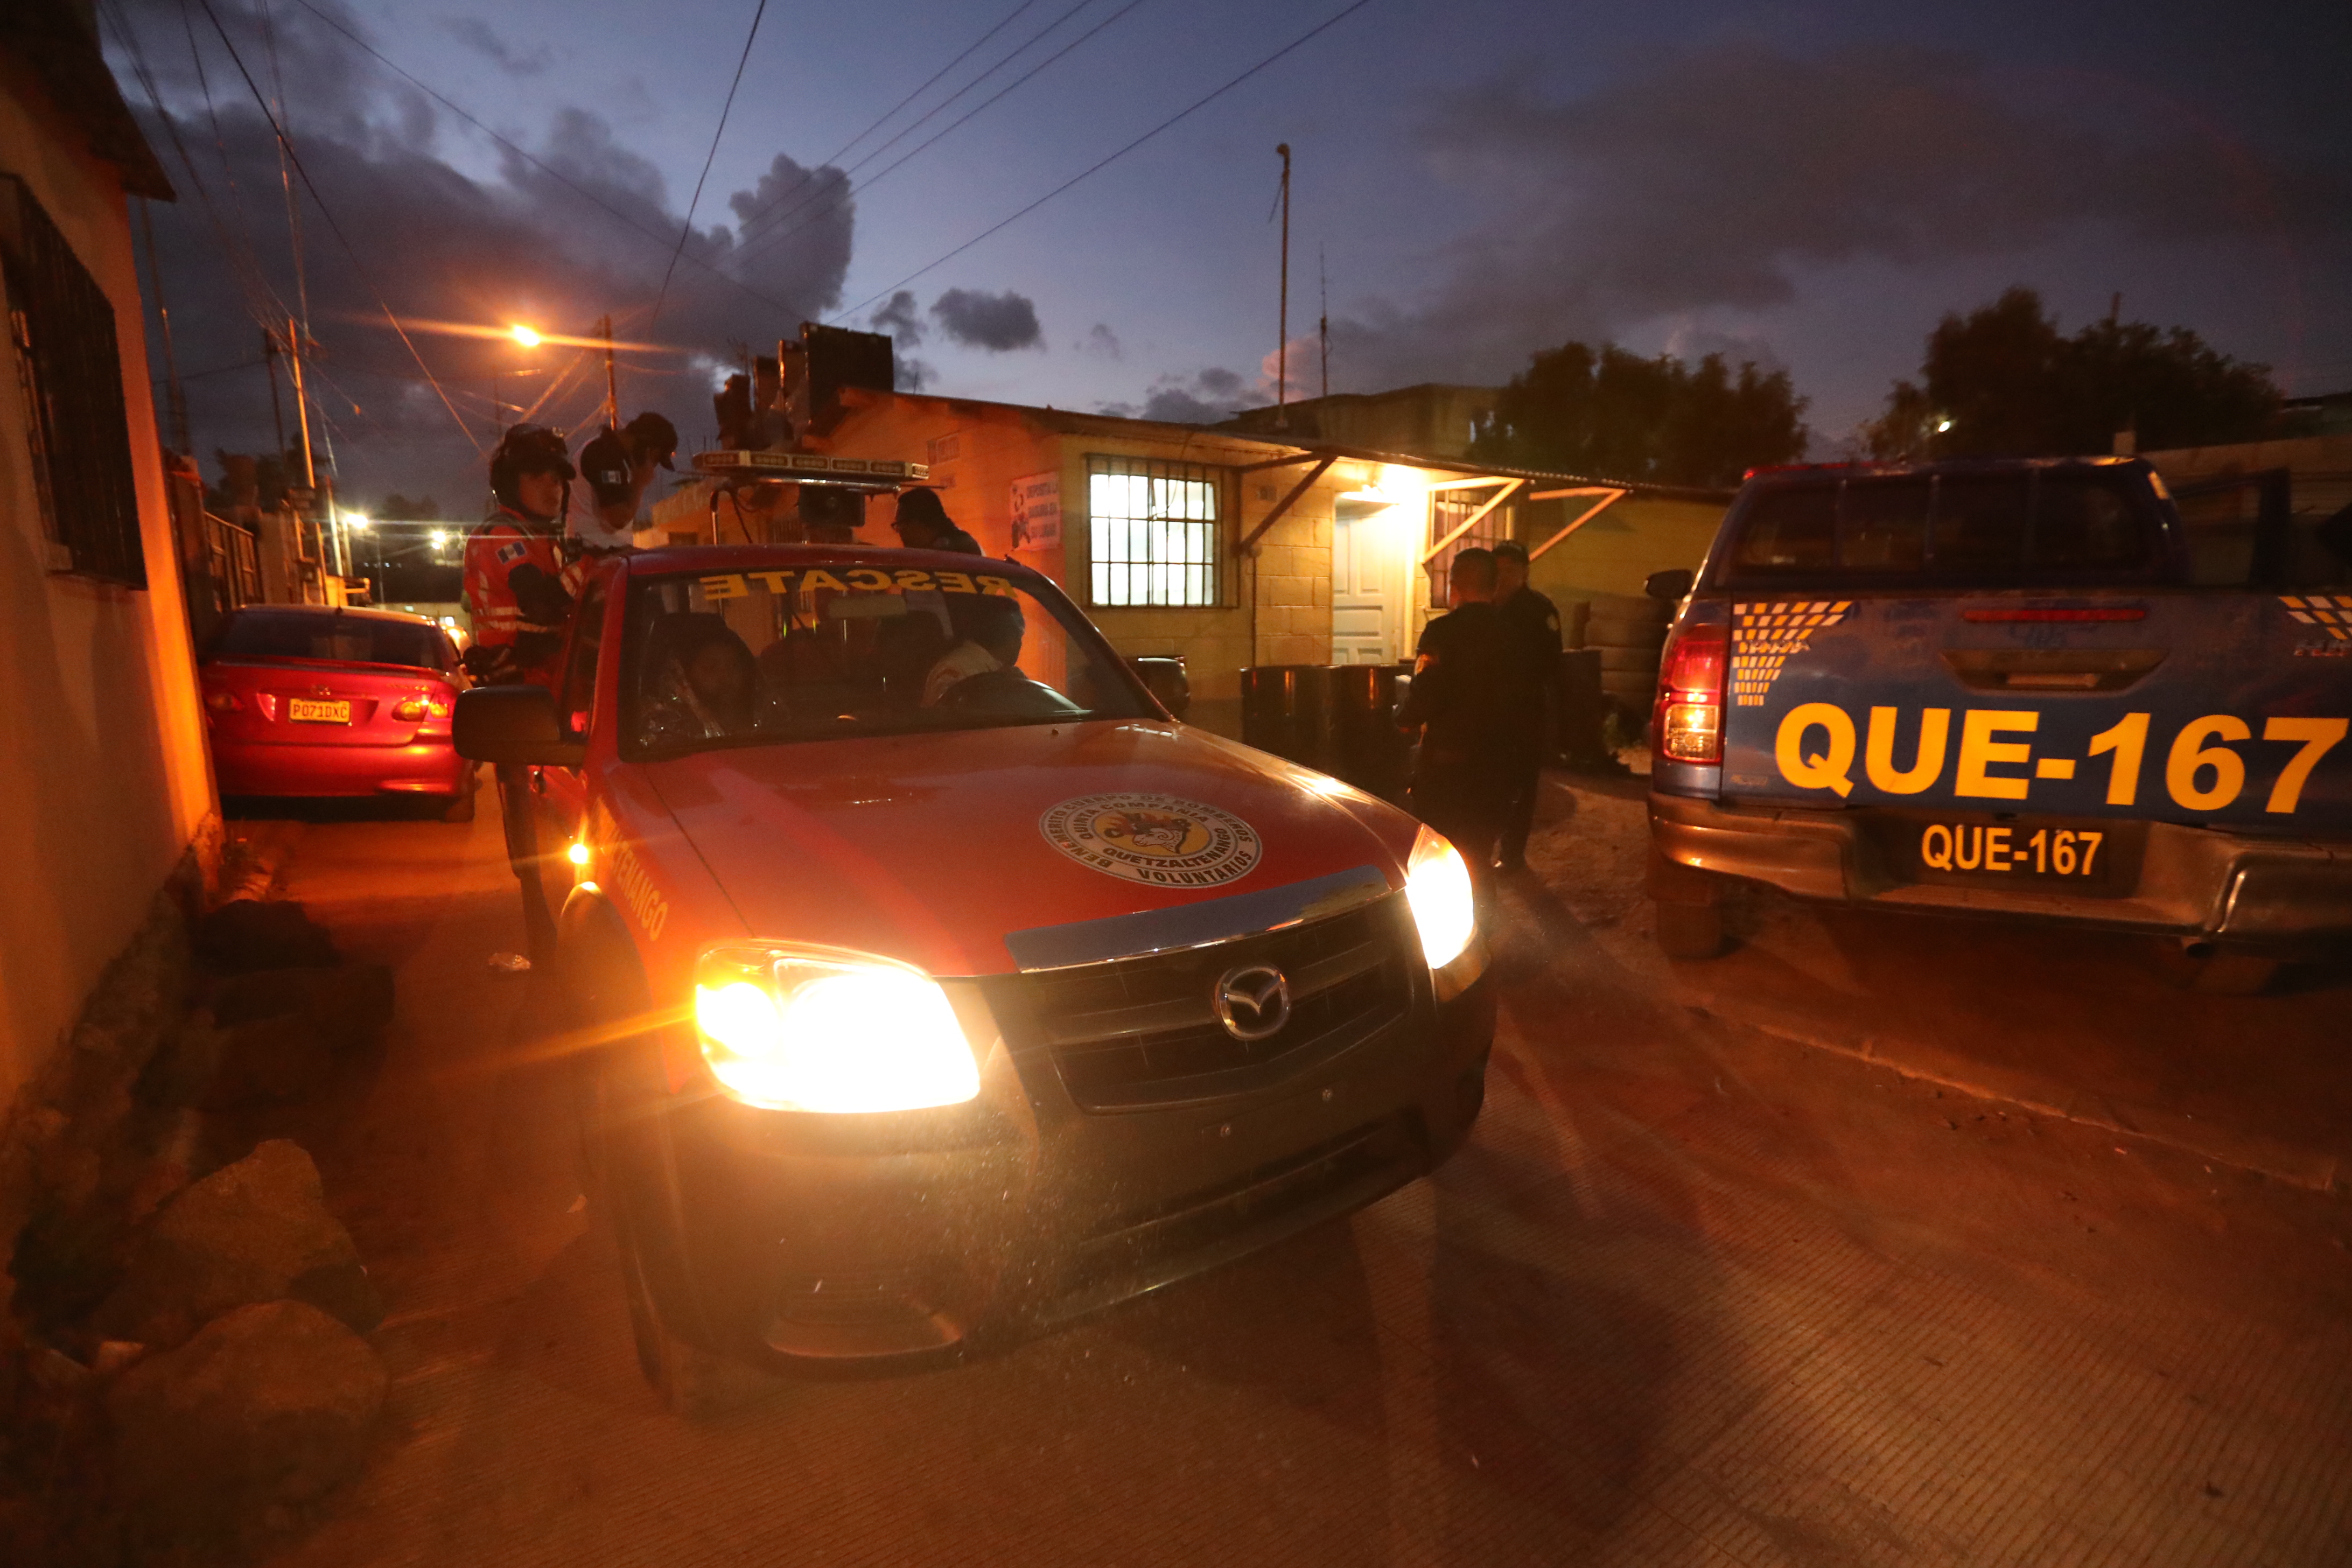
{"points": [[813, 1029], [1437, 887]]}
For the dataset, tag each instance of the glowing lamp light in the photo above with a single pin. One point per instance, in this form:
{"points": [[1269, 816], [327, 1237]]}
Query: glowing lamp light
{"points": [[440, 536], [523, 335], [832, 1033], [1438, 891], [1942, 426], [355, 520], [578, 854]]}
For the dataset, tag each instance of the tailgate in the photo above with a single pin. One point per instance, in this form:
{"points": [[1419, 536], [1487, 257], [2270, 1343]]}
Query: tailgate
{"points": [[2170, 705]]}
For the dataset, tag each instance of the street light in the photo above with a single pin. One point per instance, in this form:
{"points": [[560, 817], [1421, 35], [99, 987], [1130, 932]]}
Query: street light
{"points": [[523, 335]]}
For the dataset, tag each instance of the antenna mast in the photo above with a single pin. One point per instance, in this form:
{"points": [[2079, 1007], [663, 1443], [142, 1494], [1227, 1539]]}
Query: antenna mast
{"points": [[612, 380], [1323, 323], [1282, 354]]}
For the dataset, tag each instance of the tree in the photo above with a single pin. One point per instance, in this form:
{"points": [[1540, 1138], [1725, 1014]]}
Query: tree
{"points": [[1612, 414], [2003, 381]]}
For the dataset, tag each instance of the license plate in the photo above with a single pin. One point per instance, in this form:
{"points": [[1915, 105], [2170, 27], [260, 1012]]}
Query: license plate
{"points": [[307, 710], [2090, 858]]}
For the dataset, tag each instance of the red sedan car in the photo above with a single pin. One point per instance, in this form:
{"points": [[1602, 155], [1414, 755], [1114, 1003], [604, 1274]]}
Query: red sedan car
{"points": [[304, 700]]}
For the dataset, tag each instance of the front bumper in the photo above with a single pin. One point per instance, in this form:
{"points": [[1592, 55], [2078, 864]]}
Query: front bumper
{"points": [[808, 1242], [2194, 881]]}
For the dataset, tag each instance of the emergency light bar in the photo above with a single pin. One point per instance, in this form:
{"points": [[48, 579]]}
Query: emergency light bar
{"points": [[811, 468]]}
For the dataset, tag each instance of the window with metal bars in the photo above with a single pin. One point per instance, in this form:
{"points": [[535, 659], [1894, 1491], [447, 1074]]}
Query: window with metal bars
{"points": [[62, 325], [1448, 511], [1154, 530]]}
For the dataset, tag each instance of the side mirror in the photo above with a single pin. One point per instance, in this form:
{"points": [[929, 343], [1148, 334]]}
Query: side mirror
{"points": [[1673, 585], [513, 724]]}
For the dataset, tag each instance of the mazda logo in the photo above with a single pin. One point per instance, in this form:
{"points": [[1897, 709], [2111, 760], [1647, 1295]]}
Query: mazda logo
{"points": [[1253, 1001]]}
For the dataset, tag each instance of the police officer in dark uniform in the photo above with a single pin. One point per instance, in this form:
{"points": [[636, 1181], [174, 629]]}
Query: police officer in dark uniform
{"points": [[1531, 621], [1462, 703]]}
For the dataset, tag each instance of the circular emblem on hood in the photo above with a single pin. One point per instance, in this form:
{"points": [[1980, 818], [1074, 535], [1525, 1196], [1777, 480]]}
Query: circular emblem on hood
{"points": [[1163, 840]]}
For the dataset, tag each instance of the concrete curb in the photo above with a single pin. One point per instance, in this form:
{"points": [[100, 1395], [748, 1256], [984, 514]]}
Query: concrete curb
{"points": [[2314, 1169]]}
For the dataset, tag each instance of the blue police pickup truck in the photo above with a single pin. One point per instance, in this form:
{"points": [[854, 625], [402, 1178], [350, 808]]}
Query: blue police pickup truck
{"points": [[2013, 688]]}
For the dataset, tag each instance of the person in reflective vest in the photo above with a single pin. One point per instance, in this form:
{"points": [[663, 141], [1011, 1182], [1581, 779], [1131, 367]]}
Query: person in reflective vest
{"points": [[517, 591], [519, 596]]}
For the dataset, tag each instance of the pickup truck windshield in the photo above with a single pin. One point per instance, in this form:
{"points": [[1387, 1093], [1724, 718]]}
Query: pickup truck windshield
{"points": [[825, 651], [2060, 525]]}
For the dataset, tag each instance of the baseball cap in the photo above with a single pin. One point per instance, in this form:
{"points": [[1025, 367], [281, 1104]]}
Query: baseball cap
{"points": [[653, 437]]}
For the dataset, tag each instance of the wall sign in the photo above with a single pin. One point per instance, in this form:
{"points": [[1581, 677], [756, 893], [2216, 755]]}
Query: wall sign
{"points": [[1037, 511]]}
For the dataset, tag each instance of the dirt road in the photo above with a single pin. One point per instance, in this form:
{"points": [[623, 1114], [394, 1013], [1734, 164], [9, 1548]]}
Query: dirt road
{"points": [[1700, 1291]]}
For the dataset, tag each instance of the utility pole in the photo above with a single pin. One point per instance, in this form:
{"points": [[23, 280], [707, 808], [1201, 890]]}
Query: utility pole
{"points": [[612, 381], [302, 406], [1282, 354], [1323, 323], [175, 397], [327, 547], [277, 412]]}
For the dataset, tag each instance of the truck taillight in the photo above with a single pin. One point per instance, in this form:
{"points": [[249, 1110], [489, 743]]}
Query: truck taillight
{"points": [[1689, 724]]}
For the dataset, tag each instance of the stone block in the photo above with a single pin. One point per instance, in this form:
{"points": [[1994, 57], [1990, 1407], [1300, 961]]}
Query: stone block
{"points": [[229, 1436], [258, 1230]]}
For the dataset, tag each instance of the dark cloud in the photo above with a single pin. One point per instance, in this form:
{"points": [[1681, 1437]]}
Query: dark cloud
{"points": [[559, 247], [476, 34], [1100, 341], [901, 318], [1204, 397], [997, 323], [1717, 178]]}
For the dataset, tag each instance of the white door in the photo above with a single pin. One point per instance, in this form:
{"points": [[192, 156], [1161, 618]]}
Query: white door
{"points": [[1368, 603]]}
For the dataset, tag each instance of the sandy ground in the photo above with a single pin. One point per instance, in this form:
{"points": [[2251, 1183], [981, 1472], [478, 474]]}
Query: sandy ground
{"points": [[1700, 1291]]}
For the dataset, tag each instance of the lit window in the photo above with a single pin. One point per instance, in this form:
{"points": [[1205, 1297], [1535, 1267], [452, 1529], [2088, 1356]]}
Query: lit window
{"points": [[1153, 530]]}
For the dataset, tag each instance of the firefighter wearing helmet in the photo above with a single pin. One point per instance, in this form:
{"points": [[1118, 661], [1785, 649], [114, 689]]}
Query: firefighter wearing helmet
{"points": [[518, 593], [516, 588]]}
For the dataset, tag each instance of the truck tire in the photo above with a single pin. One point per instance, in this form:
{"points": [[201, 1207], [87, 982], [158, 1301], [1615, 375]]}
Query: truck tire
{"points": [[603, 984], [692, 1382], [2216, 970], [1690, 931], [1613, 633], [1639, 608]]}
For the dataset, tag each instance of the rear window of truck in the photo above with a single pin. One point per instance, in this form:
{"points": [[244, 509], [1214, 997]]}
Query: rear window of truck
{"points": [[1948, 526]]}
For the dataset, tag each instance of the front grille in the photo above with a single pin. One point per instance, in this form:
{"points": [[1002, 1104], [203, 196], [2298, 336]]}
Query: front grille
{"points": [[1144, 1032]]}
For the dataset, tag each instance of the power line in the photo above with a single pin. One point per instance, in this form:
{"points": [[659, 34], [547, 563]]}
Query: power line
{"points": [[775, 238], [812, 172], [1194, 107], [324, 211], [240, 260], [685, 230], [753, 220], [969, 50], [591, 197]]}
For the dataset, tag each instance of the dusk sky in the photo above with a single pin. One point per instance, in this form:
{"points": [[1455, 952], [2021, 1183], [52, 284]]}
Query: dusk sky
{"points": [[1810, 186]]}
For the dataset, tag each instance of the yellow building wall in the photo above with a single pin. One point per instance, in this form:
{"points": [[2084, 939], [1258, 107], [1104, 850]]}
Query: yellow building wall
{"points": [[1611, 555], [102, 759], [978, 449]]}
